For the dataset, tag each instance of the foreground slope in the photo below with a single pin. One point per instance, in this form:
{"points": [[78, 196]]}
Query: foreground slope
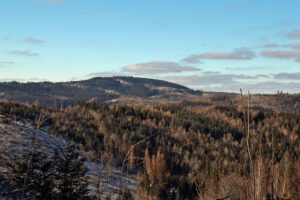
{"points": [[17, 139]]}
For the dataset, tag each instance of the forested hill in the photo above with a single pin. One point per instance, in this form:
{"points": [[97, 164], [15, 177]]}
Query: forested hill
{"points": [[170, 152], [98, 89]]}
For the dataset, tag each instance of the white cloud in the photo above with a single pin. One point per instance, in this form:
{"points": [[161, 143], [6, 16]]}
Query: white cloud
{"points": [[295, 34], [294, 45], [288, 76], [237, 54], [6, 63], [22, 53], [282, 54], [270, 45], [107, 74], [232, 83], [31, 40], [157, 67]]}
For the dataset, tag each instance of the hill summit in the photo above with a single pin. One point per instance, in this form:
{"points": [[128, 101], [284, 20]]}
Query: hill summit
{"points": [[100, 89]]}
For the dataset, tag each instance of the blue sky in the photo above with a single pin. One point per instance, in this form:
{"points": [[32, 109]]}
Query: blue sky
{"points": [[218, 45]]}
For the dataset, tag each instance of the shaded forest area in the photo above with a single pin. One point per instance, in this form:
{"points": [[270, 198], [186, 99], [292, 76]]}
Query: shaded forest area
{"points": [[178, 152]]}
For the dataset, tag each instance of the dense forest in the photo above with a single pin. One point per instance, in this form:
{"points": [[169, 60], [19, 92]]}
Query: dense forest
{"points": [[98, 89], [176, 151]]}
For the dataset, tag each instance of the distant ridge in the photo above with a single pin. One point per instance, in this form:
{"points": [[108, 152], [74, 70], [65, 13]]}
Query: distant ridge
{"points": [[100, 89]]}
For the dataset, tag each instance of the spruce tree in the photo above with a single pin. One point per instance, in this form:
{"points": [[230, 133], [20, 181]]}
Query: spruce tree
{"points": [[70, 174], [124, 194], [39, 177]]}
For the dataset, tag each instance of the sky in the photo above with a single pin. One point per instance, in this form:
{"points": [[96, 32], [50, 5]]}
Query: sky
{"points": [[212, 45]]}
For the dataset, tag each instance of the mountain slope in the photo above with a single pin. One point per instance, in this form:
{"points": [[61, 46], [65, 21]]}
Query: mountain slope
{"points": [[99, 89], [17, 139]]}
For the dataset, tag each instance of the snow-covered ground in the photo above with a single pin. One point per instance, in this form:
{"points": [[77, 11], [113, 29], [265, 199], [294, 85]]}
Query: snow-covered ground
{"points": [[17, 137]]}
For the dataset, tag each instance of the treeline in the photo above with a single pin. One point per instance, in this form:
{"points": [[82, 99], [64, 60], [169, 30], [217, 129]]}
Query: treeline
{"points": [[181, 153]]}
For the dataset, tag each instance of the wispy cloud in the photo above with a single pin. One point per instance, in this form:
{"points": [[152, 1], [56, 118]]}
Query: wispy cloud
{"points": [[211, 72], [263, 76], [294, 45], [282, 54], [233, 6], [274, 45], [6, 63], [31, 40], [237, 54], [265, 87], [107, 74], [33, 79], [238, 6], [270, 45], [198, 80], [288, 76], [295, 34], [232, 83], [6, 38], [157, 67], [22, 53], [54, 2], [255, 68]]}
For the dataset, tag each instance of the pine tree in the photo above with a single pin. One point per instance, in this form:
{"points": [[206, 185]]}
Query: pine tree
{"points": [[39, 177], [70, 174], [124, 194]]}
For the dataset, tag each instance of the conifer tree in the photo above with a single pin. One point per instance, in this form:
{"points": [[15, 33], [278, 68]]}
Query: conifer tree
{"points": [[70, 174], [39, 176], [124, 194]]}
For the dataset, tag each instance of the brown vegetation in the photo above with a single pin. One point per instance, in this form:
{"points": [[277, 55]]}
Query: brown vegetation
{"points": [[211, 152]]}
